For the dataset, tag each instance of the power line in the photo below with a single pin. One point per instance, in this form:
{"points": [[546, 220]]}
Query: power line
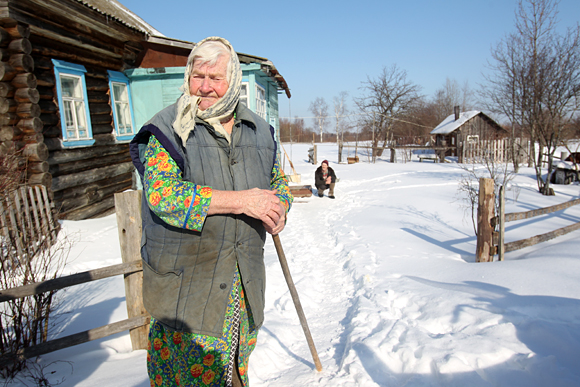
{"points": [[365, 114]]}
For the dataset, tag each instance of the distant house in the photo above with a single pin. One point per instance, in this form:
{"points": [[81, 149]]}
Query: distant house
{"points": [[470, 136], [77, 80]]}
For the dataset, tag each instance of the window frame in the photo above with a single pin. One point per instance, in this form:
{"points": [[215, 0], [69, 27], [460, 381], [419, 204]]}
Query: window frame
{"points": [[261, 103], [246, 98], [118, 77], [78, 71]]}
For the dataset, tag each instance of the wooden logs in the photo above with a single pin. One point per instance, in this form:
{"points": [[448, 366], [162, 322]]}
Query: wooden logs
{"points": [[4, 37], [8, 119], [45, 79], [22, 62], [53, 143], [9, 133], [24, 80], [38, 167], [7, 72], [27, 95], [52, 131], [35, 152], [33, 138], [48, 107], [40, 178], [21, 45], [28, 110], [31, 125], [6, 89], [90, 176], [50, 119], [4, 105], [18, 31]]}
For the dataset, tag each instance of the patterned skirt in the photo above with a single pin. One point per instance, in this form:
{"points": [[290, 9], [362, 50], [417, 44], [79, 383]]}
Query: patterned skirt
{"points": [[188, 359]]}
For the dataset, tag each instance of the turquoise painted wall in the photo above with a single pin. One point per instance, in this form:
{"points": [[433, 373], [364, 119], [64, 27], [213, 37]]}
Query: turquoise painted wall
{"points": [[153, 90]]}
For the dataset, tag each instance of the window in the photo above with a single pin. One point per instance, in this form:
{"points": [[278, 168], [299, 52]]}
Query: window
{"points": [[121, 105], [260, 101], [73, 103], [472, 139], [244, 94]]}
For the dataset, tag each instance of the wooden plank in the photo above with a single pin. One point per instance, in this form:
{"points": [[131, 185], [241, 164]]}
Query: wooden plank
{"points": [[72, 340], [128, 211], [69, 280], [35, 212], [90, 176], [541, 238], [541, 211], [485, 250], [48, 211], [301, 191], [501, 215]]}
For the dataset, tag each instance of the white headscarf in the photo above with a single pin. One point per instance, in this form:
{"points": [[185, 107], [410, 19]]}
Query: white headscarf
{"points": [[187, 105]]}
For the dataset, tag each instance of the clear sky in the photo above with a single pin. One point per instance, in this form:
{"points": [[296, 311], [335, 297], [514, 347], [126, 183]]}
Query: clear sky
{"points": [[325, 47]]}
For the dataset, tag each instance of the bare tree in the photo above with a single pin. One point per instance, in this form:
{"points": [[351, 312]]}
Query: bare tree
{"points": [[386, 98], [319, 108], [340, 111], [536, 81], [450, 95]]}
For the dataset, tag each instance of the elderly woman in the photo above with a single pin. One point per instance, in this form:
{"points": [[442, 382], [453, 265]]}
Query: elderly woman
{"points": [[212, 188]]}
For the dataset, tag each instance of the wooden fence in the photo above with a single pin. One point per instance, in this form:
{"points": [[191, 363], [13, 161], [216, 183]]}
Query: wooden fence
{"points": [[128, 208], [490, 242], [27, 222]]}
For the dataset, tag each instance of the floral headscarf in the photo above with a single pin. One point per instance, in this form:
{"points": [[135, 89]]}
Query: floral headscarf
{"points": [[187, 105]]}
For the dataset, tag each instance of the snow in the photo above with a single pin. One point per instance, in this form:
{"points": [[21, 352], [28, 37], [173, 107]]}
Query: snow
{"points": [[387, 280]]}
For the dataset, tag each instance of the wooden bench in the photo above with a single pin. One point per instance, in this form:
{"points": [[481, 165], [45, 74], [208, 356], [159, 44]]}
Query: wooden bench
{"points": [[301, 191], [433, 157]]}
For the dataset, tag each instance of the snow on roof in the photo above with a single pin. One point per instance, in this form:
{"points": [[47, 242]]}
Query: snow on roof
{"points": [[449, 124], [117, 11]]}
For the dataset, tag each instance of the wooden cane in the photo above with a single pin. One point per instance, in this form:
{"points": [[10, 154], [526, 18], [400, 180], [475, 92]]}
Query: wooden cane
{"points": [[296, 300]]}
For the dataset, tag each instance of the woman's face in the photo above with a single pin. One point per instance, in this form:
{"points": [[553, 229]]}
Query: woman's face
{"points": [[210, 83]]}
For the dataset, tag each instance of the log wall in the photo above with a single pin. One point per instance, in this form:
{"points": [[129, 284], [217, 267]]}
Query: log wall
{"points": [[82, 180]]}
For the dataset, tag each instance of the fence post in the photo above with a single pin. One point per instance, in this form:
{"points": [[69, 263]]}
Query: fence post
{"points": [[128, 210], [485, 211], [501, 216]]}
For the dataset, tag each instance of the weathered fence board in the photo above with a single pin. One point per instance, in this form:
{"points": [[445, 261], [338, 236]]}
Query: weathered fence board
{"points": [[72, 340], [540, 238], [540, 211], [128, 209], [70, 280]]}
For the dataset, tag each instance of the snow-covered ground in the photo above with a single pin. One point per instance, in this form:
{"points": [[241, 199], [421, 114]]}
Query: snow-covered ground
{"points": [[389, 286]]}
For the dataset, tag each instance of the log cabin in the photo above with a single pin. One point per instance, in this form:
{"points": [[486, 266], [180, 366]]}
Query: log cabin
{"points": [[77, 80], [470, 136]]}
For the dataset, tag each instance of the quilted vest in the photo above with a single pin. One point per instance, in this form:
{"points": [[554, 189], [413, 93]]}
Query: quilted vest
{"points": [[187, 275]]}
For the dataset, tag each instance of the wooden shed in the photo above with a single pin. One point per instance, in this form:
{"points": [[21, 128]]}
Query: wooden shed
{"points": [[471, 136], [67, 102]]}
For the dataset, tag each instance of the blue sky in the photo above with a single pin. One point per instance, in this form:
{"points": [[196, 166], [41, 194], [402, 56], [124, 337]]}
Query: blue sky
{"points": [[325, 47]]}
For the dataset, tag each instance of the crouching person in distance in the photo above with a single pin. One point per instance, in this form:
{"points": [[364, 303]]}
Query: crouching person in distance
{"points": [[324, 179]]}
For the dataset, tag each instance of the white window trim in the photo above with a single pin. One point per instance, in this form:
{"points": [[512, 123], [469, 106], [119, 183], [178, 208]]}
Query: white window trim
{"points": [[74, 70], [260, 102], [247, 97], [118, 77]]}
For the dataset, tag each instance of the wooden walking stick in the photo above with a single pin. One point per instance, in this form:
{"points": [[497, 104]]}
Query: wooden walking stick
{"points": [[296, 300]]}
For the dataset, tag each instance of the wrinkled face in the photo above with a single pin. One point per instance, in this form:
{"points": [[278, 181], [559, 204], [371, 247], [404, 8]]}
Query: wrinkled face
{"points": [[209, 82], [324, 167]]}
